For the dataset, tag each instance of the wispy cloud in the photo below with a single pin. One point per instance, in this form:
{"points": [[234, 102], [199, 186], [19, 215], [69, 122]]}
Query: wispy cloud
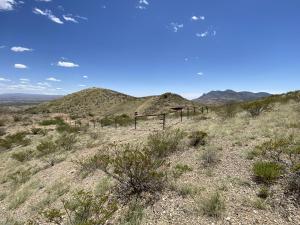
{"points": [[48, 13], [43, 0], [4, 79], [176, 26], [196, 18], [67, 64], [85, 77], [53, 79], [24, 80], [69, 18], [20, 66], [2, 46], [207, 33], [7, 5], [21, 49], [44, 84], [200, 73], [202, 35], [82, 85]]}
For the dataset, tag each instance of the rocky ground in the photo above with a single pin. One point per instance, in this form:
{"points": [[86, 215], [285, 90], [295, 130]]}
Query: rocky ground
{"points": [[180, 203]]}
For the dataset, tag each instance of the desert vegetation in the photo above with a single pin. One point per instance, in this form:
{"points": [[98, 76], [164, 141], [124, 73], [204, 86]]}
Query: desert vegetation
{"points": [[237, 162]]}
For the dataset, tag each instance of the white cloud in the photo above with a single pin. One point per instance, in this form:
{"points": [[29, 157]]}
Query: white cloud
{"points": [[58, 88], [4, 79], [2, 46], [196, 18], [191, 95], [21, 49], [53, 79], [44, 84], [43, 0], [202, 35], [142, 4], [7, 5], [85, 77], [69, 18], [200, 73], [48, 14], [67, 64], [81, 17], [82, 85], [20, 66], [176, 27], [24, 80]]}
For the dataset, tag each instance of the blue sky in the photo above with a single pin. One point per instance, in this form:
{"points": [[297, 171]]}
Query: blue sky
{"points": [[145, 47]]}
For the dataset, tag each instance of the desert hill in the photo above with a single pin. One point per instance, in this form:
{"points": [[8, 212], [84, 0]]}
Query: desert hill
{"points": [[102, 102], [222, 97]]}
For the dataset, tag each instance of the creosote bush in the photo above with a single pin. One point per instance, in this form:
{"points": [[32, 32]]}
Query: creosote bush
{"points": [[198, 138], [55, 121], [83, 208], [17, 139], [164, 143], [267, 172], [23, 155], [255, 108], [209, 157], [66, 141], [46, 147]]}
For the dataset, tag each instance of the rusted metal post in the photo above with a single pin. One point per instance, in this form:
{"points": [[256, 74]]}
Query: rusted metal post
{"points": [[135, 120], [181, 114]]}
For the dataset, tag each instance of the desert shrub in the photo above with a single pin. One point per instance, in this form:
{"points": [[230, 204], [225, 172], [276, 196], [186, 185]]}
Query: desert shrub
{"points": [[22, 156], [263, 192], [2, 131], [213, 205], [107, 121], [296, 167], [103, 186], [162, 144], [21, 175], [255, 108], [134, 214], [134, 168], [83, 208], [123, 120], [17, 118], [294, 184], [66, 141], [209, 157], [2, 123], [17, 139], [64, 127], [198, 138], [55, 121], [45, 147], [228, 110], [90, 165], [267, 172], [36, 131], [180, 169], [259, 203]]}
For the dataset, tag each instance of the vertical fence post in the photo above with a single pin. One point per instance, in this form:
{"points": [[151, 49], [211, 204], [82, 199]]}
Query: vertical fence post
{"points": [[207, 109], [116, 126], [188, 112], [181, 115], [194, 110], [202, 110], [135, 120], [164, 121]]}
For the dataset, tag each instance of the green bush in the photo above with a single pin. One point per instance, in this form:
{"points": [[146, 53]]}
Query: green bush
{"points": [[67, 128], [66, 141], [263, 192], [55, 121], [213, 205], [45, 148], [2, 123], [123, 120], [107, 121], [22, 156], [162, 144], [36, 131], [17, 139], [2, 131], [267, 172], [83, 208], [180, 169], [198, 138], [255, 108]]}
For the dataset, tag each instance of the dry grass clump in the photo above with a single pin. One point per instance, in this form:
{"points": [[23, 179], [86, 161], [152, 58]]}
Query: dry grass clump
{"points": [[180, 169], [198, 138], [213, 205], [164, 143], [267, 172], [82, 208], [210, 157], [23, 155]]}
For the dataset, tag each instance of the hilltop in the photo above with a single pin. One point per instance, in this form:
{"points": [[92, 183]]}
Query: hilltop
{"points": [[222, 97], [103, 102]]}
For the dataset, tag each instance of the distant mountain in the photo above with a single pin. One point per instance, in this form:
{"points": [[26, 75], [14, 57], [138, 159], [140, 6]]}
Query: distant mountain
{"points": [[103, 102], [222, 97], [26, 98]]}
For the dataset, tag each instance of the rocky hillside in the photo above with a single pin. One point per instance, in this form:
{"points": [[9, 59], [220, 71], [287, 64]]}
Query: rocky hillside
{"points": [[222, 97], [102, 102]]}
